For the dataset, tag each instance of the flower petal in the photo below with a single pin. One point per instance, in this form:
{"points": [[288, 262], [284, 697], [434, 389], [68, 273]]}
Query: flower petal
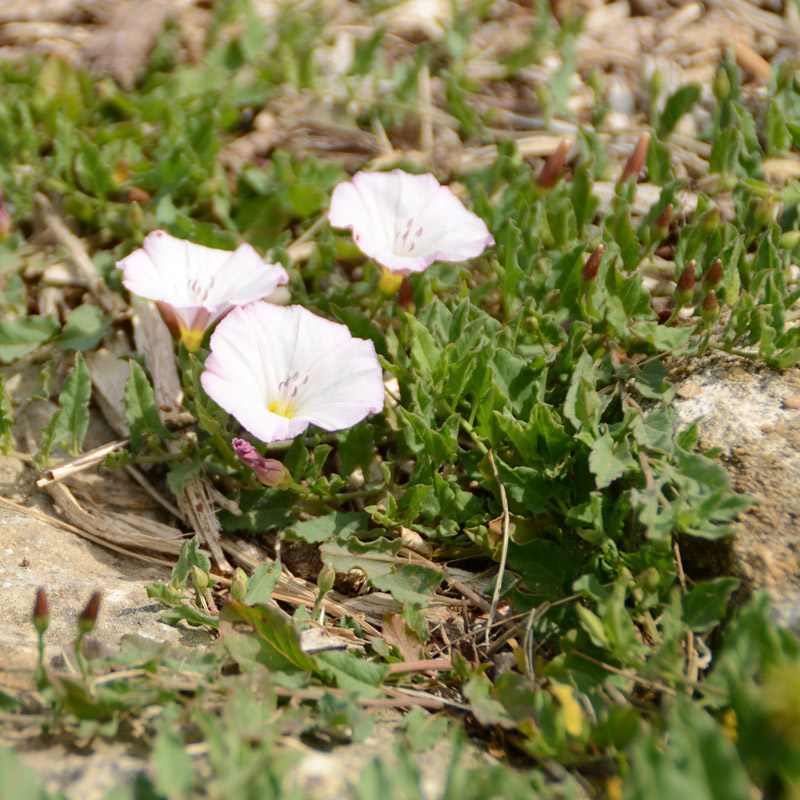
{"points": [[406, 222], [200, 284], [278, 369]]}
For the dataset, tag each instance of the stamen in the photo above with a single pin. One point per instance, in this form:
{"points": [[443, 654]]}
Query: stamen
{"points": [[287, 391]]}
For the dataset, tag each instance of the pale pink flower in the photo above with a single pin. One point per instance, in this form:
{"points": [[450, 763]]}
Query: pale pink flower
{"points": [[406, 222], [279, 369], [195, 286]]}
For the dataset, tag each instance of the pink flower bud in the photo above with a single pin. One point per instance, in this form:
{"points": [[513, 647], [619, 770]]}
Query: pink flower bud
{"points": [[709, 309], [713, 277], [549, 174], [269, 471], [41, 612], [88, 617], [662, 223], [635, 163], [589, 271], [405, 297], [685, 288], [5, 217]]}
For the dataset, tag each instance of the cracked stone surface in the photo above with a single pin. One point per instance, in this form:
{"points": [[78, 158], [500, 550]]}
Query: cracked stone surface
{"points": [[750, 413]]}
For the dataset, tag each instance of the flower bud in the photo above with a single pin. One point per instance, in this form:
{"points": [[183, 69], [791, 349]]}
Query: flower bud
{"points": [[405, 296], [552, 167], [238, 590], [713, 277], [722, 85], [5, 217], [88, 617], [709, 309], [789, 240], [199, 579], [649, 579], [589, 271], [765, 212], [41, 612], [662, 223], [269, 471], [326, 579], [685, 287], [635, 163]]}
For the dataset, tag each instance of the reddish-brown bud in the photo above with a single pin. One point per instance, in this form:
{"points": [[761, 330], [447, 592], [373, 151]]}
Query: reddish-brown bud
{"points": [[269, 471], [709, 309], [634, 164], [405, 295], [685, 287], [662, 223], [87, 619], [41, 612], [713, 276], [553, 166], [589, 271]]}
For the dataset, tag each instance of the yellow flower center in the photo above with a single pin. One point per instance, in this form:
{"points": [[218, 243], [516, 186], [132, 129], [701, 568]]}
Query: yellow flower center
{"points": [[287, 391]]}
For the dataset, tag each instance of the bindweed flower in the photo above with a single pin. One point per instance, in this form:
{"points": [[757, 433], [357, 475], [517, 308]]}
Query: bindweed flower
{"points": [[406, 222], [269, 471], [279, 369], [195, 286]]}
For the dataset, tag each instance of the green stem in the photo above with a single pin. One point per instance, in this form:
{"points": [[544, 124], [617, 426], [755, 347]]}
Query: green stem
{"points": [[82, 665], [470, 431]]}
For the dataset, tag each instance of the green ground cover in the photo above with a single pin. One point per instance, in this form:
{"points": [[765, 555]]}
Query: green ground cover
{"points": [[532, 410]]}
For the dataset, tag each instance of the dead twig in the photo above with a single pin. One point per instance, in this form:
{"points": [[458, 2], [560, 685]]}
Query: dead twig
{"points": [[504, 551], [77, 252]]}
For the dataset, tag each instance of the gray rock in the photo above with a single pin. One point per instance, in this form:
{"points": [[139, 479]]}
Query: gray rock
{"points": [[750, 413]]}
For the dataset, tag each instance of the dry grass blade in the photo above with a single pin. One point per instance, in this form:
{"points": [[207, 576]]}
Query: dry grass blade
{"points": [[504, 551], [84, 461], [78, 530], [195, 501], [136, 532], [77, 252]]}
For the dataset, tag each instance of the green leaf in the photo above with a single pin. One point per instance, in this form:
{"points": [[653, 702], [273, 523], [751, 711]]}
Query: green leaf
{"points": [[488, 710], [695, 759], [7, 418], [181, 471], [356, 447], [85, 327], [174, 766], [260, 584], [353, 673], [413, 583], [18, 337], [190, 556], [17, 780], [42, 457], [141, 410], [678, 104], [91, 169], [74, 400], [340, 524], [610, 460], [190, 615], [707, 603], [275, 642]]}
